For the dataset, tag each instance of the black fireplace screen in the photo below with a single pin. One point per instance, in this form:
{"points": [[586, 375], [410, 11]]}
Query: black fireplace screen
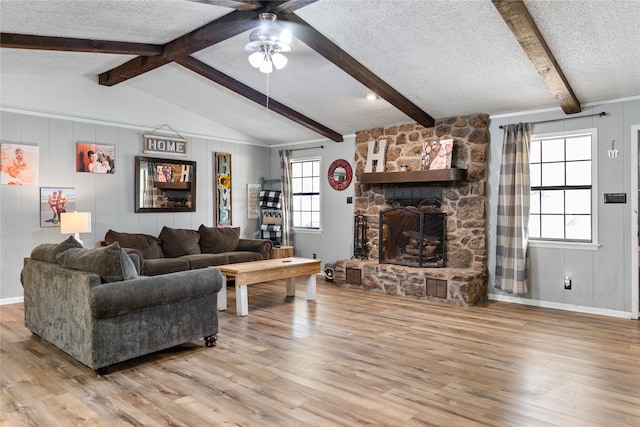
{"points": [[412, 238]]}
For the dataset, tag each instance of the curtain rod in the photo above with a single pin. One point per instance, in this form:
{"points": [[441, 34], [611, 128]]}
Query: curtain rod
{"points": [[602, 114], [308, 148]]}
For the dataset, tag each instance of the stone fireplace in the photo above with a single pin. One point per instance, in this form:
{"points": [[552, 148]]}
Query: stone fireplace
{"points": [[402, 257]]}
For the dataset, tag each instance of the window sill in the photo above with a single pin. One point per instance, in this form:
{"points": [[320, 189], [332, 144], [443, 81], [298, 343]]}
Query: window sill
{"points": [[563, 245], [307, 230]]}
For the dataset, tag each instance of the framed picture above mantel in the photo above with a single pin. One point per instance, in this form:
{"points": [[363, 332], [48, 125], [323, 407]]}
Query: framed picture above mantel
{"points": [[165, 185]]}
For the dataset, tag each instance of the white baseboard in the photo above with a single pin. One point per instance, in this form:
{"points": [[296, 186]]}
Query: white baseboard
{"points": [[560, 306], [14, 300]]}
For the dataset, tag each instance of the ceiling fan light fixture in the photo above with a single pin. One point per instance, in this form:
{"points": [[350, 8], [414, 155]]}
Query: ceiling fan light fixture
{"points": [[256, 59], [267, 44], [266, 67], [279, 60]]}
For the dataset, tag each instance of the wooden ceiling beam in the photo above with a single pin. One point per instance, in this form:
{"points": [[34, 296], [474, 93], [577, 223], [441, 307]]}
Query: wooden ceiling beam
{"points": [[221, 29], [67, 44], [523, 27], [234, 4], [234, 85], [325, 47]]}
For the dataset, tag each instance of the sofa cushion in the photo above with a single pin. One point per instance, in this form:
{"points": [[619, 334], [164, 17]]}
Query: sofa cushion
{"points": [[155, 267], [111, 263], [179, 241], [214, 240], [235, 257], [145, 243], [47, 251], [205, 260]]}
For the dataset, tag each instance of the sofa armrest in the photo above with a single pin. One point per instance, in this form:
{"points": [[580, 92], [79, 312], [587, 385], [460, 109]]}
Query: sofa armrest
{"points": [[119, 298], [256, 245]]}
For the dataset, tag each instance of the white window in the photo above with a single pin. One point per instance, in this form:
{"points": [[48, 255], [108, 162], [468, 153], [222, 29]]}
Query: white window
{"points": [[563, 196], [305, 182]]}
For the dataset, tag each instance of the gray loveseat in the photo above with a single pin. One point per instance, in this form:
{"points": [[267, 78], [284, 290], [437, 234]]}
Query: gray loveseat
{"points": [[183, 249], [93, 305]]}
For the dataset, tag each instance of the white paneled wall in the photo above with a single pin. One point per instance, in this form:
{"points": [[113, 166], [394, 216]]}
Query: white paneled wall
{"points": [[601, 279], [110, 198]]}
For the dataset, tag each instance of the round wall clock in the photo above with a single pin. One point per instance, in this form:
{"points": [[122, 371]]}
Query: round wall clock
{"points": [[340, 174]]}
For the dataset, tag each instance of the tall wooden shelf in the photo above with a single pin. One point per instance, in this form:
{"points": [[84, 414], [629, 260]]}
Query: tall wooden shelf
{"points": [[409, 177]]}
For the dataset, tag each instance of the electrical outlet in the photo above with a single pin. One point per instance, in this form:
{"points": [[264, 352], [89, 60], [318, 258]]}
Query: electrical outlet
{"points": [[314, 256], [567, 283]]}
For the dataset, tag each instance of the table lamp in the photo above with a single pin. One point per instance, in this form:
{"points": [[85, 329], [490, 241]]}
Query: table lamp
{"points": [[75, 222]]}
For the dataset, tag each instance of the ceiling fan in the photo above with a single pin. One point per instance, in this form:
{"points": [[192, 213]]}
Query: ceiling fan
{"points": [[267, 44]]}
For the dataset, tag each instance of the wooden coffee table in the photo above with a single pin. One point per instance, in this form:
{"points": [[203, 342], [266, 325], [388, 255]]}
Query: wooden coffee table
{"points": [[250, 273]]}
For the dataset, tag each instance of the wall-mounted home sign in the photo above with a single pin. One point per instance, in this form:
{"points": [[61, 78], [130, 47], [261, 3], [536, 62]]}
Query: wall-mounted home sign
{"points": [[165, 145]]}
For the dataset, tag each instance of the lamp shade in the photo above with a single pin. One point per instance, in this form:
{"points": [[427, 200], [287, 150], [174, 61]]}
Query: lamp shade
{"points": [[75, 222]]}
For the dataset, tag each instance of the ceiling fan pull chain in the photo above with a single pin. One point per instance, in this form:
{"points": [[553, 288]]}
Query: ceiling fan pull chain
{"points": [[267, 95]]}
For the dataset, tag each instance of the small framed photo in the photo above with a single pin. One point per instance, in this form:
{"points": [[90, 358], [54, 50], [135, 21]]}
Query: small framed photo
{"points": [[53, 202], [19, 164], [95, 158], [436, 155]]}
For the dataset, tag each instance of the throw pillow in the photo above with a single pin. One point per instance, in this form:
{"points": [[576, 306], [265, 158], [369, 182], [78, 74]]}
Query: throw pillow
{"points": [[145, 243], [217, 240], [111, 263], [177, 242], [47, 251]]}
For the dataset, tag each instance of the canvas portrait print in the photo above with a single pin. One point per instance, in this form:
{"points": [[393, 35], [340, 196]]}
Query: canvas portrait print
{"points": [[53, 202], [19, 164], [95, 158], [436, 155]]}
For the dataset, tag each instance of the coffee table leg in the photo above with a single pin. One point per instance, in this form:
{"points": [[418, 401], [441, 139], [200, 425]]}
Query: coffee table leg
{"points": [[291, 287], [242, 300], [222, 295], [311, 287]]}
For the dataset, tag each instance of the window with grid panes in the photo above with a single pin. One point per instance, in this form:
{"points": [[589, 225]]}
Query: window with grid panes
{"points": [[305, 183], [562, 201]]}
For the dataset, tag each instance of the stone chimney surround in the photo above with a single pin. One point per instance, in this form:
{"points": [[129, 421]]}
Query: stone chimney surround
{"points": [[464, 279]]}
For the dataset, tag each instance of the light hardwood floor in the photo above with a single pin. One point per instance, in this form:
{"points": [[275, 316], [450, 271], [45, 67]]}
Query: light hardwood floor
{"points": [[350, 358]]}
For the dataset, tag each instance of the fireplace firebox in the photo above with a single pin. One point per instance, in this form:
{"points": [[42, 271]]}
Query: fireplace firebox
{"points": [[412, 237]]}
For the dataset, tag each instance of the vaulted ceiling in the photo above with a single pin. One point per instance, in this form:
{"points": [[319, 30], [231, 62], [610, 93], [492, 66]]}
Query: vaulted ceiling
{"points": [[425, 59]]}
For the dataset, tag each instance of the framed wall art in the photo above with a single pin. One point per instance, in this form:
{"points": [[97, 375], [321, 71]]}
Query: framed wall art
{"points": [[95, 158], [53, 202], [165, 185], [436, 155], [253, 209], [223, 189], [19, 164]]}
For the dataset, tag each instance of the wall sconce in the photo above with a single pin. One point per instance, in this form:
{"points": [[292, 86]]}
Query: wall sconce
{"points": [[75, 222], [613, 153]]}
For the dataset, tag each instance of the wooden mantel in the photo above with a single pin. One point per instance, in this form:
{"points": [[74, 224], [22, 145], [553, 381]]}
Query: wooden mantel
{"points": [[407, 177]]}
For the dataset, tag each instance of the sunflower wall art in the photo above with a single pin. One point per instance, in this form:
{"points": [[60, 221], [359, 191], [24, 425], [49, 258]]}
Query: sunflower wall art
{"points": [[223, 189]]}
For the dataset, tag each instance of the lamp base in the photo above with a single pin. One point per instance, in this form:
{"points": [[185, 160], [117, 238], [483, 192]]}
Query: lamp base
{"points": [[77, 237]]}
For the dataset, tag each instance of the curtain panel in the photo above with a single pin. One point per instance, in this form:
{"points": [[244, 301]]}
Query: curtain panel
{"points": [[287, 198], [512, 233]]}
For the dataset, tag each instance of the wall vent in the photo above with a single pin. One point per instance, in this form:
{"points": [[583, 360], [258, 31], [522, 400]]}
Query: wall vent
{"points": [[354, 276], [436, 288]]}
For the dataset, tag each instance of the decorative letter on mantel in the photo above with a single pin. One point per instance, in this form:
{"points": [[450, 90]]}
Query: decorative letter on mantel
{"points": [[379, 158]]}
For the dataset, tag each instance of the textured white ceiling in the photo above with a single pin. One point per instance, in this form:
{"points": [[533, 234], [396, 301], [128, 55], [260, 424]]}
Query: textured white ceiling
{"points": [[447, 57]]}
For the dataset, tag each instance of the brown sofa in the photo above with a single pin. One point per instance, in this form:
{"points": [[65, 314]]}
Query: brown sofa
{"points": [[183, 249]]}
